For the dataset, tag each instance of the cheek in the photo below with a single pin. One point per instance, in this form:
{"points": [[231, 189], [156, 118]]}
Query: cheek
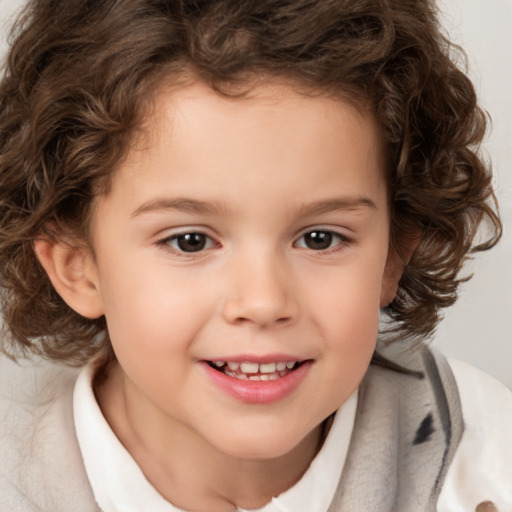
{"points": [[352, 291], [347, 309], [153, 308]]}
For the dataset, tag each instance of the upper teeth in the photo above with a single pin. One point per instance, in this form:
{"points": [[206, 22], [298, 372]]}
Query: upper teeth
{"points": [[248, 367]]}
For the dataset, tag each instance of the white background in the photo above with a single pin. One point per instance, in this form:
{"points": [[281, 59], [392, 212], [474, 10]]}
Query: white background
{"points": [[479, 327]]}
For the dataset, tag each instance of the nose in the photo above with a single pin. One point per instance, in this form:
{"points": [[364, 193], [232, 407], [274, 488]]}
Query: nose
{"points": [[261, 293]]}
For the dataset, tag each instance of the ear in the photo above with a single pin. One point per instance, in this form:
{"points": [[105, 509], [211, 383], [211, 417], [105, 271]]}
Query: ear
{"points": [[73, 273], [396, 261]]}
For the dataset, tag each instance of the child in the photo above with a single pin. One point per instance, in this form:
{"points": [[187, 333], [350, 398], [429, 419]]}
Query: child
{"points": [[206, 205]]}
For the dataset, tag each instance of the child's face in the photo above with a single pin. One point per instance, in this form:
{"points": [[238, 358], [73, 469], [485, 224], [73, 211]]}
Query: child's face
{"points": [[244, 231]]}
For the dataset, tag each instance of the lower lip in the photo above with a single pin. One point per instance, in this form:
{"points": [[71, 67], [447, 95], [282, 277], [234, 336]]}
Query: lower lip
{"points": [[258, 392]]}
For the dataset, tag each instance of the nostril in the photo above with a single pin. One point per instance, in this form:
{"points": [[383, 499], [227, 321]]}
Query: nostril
{"points": [[257, 312], [260, 299]]}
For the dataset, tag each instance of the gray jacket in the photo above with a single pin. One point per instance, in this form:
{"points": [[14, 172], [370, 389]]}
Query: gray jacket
{"points": [[408, 425]]}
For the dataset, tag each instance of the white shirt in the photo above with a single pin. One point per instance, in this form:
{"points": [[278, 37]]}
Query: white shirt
{"points": [[481, 470]]}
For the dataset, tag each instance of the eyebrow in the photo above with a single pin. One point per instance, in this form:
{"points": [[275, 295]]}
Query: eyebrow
{"points": [[181, 204], [342, 203], [195, 206]]}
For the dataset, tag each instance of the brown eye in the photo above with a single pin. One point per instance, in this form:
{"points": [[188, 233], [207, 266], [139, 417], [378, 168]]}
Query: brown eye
{"points": [[320, 240], [190, 242]]}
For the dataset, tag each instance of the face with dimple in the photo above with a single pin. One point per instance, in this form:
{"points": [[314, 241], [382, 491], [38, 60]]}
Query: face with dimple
{"points": [[241, 258]]}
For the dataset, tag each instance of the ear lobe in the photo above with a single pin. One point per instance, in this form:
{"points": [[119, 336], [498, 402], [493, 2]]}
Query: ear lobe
{"points": [[73, 274], [395, 264]]}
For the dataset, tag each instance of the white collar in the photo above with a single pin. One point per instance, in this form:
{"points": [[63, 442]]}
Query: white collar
{"points": [[120, 486]]}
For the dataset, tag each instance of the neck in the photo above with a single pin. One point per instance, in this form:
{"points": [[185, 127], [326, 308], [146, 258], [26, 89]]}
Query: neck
{"points": [[185, 468]]}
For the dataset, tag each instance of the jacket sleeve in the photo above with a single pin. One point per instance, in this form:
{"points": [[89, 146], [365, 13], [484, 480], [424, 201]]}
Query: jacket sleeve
{"points": [[41, 468]]}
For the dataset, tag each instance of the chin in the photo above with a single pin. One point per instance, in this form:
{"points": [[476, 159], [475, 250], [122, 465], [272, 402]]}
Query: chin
{"points": [[261, 445]]}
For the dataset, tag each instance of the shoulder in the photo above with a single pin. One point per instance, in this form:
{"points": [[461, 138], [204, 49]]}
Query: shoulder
{"points": [[482, 466], [41, 463]]}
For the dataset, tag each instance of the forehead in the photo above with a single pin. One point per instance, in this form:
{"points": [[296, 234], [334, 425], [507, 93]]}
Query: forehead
{"points": [[258, 109], [274, 137]]}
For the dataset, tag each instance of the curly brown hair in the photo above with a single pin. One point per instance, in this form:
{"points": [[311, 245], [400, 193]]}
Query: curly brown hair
{"points": [[76, 86]]}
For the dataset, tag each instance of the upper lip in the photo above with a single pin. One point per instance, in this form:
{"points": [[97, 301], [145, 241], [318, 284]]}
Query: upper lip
{"points": [[260, 359]]}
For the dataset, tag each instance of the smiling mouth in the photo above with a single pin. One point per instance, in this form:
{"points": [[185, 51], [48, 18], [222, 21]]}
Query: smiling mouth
{"points": [[255, 371]]}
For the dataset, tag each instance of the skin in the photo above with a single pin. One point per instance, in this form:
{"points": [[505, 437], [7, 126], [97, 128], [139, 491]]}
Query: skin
{"points": [[255, 176]]}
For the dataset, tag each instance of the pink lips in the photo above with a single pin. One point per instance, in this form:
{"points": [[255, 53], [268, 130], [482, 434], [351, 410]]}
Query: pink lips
{"points": [[258, 392]]}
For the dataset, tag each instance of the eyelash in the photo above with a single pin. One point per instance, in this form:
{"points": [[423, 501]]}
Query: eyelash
{"points": [[340, 242], [167, 243]]}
